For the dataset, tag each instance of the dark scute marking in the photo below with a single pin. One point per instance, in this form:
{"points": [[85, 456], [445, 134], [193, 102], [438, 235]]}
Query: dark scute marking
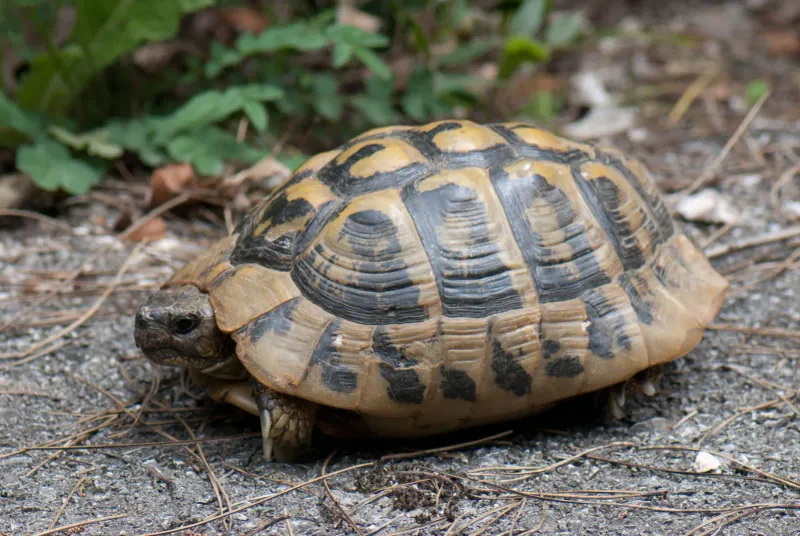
{"points": [[344, 184], [642, 308], [509, 374], [381, 291], [554, 280], [606, 324], [364, 229], [276, 322], [326, 212], [550, 348], [527, 150], [496, 155], [564, 367], [471, 277], [336, 377], [276, 253], [457, 385], [377, 297], [396, 368], [654, 202], [603, 197]]}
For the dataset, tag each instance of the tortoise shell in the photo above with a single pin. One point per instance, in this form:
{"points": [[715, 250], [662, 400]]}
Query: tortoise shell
{"points": [[451, 274]]}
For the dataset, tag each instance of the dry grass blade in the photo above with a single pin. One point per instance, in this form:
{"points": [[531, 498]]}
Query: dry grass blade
{"points": [[712, 169], [690, 95], [760, 240], [65, 502], [260, 500], [35, 216], [69, 528], [338, 506], [766, 332], [528, 472], [457, 446], [93, 309]]}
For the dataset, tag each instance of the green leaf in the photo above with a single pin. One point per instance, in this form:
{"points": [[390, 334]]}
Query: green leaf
{"points": [[327, 101], [419, 37], [342, 52], [565, 28], [259, 92], [373, 63], [138, 136], [51, 167], [103, 31], [467, 52], [207, 150], [528, 19], [378, 112], [755, 90], [96, 142], [14, 118], [188, 6], [544, 105], [420, 93], [519, 50], [257, 113], [220, 59], [352, 35], [298, 35]]}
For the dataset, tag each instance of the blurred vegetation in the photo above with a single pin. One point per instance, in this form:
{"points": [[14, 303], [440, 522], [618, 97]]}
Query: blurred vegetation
{"points": [[87, 82]]}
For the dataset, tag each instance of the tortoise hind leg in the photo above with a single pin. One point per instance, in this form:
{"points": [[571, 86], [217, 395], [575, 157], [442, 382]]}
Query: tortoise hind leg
{"points": [[286, 423]]}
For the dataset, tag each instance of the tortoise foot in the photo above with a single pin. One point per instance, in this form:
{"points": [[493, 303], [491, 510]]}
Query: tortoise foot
{"points": [[286, 423], [644, 382]]}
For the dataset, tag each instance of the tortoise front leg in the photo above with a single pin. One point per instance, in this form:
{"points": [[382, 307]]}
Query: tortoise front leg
{"points": [[286, 423]]}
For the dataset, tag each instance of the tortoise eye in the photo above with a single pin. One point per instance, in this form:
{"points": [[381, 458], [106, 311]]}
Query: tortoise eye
{"points": [[185, 325]]}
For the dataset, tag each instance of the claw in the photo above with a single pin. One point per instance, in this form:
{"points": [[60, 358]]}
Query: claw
{"points": [[648, 388], [266, 441], [617, 402]]}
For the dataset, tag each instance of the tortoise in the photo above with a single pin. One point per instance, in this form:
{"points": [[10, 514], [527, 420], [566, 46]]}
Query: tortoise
{"points": [[435, 277]]}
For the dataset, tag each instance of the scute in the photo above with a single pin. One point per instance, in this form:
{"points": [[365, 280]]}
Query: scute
{"points": [[451, 274]]}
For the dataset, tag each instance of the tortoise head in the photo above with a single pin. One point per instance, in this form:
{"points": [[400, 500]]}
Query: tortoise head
{"points": [[176, 326]]}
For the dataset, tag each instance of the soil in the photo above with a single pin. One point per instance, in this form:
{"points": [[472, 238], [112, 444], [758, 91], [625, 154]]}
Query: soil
{"points": [[90, 430]]}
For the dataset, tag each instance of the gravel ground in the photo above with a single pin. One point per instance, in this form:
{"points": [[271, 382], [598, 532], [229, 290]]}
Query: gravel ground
{"points": [[95, 395]]}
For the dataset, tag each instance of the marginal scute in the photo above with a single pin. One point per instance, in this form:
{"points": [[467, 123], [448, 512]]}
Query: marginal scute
{"points": [[207, 267], [402, 358], [247, 293], [277, 347]]}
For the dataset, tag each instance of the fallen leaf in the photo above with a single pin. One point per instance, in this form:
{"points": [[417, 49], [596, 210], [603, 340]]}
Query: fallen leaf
{"points": [[167, 182], [346, 13], [153, 57], [153, 229], [601, 121], [783, 42], [15, 190], [268, 170], [707, 206], [706, 462], [245, 20]]}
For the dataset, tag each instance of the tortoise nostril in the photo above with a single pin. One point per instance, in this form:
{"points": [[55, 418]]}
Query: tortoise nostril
{"points": [[142, 319]]}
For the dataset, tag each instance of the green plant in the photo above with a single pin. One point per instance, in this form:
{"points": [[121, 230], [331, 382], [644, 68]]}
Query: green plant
{"points": [[75, 110]]}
